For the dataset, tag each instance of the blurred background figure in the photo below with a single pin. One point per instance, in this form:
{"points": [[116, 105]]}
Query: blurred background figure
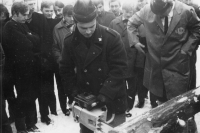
{"points": [[58, 9], [4, 123], [119, 24], [104, 17], [115, 6], [61, 30]]}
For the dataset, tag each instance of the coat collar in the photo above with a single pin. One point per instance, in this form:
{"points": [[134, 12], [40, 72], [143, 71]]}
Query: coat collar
{"points": [[119, 21], [95, 47], [176, 18]]}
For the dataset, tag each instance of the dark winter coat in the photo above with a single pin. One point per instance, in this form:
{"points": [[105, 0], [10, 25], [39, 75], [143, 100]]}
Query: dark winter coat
{"points": [[166, 68], [100, 69], [39, 25], [105, 18], [59, 33], [20, 46], [118, 25]]}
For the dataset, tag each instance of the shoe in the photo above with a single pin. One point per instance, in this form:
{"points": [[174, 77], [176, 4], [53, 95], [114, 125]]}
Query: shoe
{"points": [[46, 120], [33, 129], [54, 113], [140, 105], [67, 113], [128, 114]]}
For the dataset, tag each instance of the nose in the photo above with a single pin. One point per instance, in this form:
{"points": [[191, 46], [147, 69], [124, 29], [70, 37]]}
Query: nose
{"points": [[88, 31]]}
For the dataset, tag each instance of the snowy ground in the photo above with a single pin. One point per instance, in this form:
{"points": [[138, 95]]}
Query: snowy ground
{"points": [[66, 124]]}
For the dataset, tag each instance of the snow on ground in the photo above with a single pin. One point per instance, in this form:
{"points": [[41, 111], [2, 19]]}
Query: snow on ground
{"points": [[66, 124]]}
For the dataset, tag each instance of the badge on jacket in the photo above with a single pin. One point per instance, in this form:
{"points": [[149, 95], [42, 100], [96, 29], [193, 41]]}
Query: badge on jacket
{"points": [[180, 30]]}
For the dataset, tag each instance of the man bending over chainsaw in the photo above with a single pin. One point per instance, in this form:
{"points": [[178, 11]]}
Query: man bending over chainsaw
{"points": [[99, 57]]}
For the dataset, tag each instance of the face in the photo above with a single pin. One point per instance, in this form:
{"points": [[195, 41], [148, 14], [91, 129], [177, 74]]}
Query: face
{"points": [[115, 7], [69, 19], [165, 13], [100, 8], [2, 17], [48, 12], [141, 4], [58, 11], [127, 14], [87, 29], [21, 18], [31, 6]]}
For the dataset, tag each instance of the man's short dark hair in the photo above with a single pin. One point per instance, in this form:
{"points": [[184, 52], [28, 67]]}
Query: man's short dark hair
{"points": [[110, 1], [97, 2], [59, 4], [19, 7], [4, 10], [68, 10], [46, 4]]}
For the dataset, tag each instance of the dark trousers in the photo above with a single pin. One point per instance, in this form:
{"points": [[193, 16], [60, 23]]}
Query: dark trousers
{"points": [[47, 98], [61, 93], [136, 87], [193, 70]]}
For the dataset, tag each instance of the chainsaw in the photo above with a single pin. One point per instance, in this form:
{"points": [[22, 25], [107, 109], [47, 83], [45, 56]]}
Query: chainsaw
{"points": [[87, 111]]}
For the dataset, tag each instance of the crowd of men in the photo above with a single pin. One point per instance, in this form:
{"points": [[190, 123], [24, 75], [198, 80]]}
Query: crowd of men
{"points": [[114, 55]]}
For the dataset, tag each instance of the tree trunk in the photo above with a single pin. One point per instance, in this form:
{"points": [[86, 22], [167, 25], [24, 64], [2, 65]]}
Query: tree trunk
{"points": [[162, 118]]}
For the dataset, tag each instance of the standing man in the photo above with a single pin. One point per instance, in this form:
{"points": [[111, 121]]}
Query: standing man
{"points": [[104, 18], [115, 7], [170, 43], [37, 23], [99, 55], [119, 24], [61, 30], [58, 9], [21, 46]]}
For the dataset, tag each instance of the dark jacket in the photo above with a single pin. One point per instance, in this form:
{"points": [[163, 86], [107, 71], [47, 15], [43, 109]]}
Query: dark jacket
{"points": [[20, 46], [59, 33], [100, 69], [105, 18], [118, 25], [166, 67], [39, 25]]}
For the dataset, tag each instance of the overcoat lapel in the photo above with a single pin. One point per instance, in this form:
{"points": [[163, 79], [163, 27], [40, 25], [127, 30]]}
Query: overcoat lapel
{"points": [[121, 25], [177, 11], [158, 20]]}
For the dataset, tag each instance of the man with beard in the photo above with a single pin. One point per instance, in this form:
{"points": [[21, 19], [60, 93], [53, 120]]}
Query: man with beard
{"points": [[37, 23], [21, 46], [61, 30], [104, 18]]}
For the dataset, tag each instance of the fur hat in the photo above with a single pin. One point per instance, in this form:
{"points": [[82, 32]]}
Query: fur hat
{"points": [[160, 6], [84, 11]]}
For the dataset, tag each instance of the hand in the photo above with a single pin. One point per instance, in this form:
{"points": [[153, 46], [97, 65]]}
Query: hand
{"points": [[140, 47], [103, 99]]}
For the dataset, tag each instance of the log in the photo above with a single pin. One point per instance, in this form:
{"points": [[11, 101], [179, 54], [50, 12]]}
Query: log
{"points": [[161, 118]]}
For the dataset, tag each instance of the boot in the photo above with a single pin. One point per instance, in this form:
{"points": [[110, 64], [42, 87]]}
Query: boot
{"points": [[46, 119], [30, 122], [140, 104], [20, 125]]}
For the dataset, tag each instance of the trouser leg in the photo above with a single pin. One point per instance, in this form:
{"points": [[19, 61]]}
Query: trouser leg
{"points": [[131, 92], [142, 90], [61, 93]]}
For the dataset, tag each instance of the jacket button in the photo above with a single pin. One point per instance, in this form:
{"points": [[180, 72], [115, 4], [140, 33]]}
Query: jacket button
{"points": [[99, 69], [85, 70], [87, 83], [93, 53]]}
